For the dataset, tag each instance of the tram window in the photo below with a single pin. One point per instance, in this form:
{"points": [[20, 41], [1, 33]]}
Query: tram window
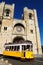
{"points": [[18, 48], [14, 48], [31, 48], [10, 48], [23, 47], [28, 47], [7, 48]]}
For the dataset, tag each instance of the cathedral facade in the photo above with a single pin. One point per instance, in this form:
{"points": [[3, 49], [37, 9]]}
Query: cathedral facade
{"points": [[17, 31]]}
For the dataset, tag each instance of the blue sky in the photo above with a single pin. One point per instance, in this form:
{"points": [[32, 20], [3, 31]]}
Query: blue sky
{"points": [[32, 4]]}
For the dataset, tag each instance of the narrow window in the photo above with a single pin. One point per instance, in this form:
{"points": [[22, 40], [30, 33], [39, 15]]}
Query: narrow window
{"points": [[31, 31], [5, 28], [7, 11], [30, 16], [0, 22], [0, 29]]}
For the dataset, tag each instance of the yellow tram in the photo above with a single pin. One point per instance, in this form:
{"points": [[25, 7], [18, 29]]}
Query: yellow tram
{"points": [[23, 51]]}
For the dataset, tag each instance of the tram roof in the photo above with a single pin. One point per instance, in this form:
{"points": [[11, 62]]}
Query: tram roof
{"points": [[19, 44]]}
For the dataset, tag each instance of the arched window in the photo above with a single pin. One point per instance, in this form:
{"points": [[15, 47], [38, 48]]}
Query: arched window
{"points": [[30, 15], [7, 11], [19, 27], [19, 24]]}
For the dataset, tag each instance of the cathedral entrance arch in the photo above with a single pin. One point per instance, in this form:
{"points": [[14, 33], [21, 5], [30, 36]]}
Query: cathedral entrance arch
{"points": [[18, 39]]}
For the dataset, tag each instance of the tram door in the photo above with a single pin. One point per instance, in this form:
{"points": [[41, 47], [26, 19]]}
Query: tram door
{"points": [[23, 50]]}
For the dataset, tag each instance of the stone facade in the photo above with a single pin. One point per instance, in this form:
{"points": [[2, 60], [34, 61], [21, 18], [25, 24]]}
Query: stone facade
{"points": [[14, 30]]}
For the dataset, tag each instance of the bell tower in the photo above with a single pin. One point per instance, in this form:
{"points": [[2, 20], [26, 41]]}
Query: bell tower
{"points": [[32, 29], [8, 11], [6, 19]]}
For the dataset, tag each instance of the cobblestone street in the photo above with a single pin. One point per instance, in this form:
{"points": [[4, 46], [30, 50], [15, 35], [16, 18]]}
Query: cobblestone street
{"points": [[13, 61], [4, 62]]}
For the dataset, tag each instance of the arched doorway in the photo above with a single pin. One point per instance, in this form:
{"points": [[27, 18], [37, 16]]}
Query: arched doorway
{"points": [[18, 39]]}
